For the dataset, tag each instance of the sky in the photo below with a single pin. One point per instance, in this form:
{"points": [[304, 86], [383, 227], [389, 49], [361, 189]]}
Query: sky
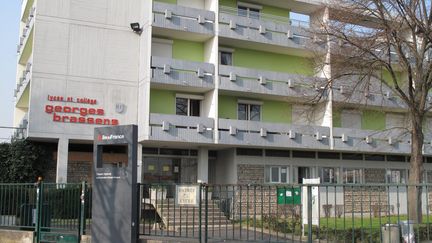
{"points": [[10, 11]]}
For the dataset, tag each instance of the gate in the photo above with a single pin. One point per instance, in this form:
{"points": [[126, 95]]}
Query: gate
{"points": [[55, 212]]}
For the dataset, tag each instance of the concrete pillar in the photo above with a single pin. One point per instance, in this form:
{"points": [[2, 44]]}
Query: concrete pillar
{"points": [[139, 163], [202, 173], [62, 160]]}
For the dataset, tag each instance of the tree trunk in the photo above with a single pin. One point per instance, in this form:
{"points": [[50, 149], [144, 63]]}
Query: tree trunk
{"points": [[416, 170]]}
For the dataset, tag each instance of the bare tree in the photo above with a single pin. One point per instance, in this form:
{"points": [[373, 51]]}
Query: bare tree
{"points": [[383, 44]]}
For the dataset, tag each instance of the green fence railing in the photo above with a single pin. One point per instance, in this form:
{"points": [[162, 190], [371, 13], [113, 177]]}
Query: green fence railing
{"points": [[55, 212]]}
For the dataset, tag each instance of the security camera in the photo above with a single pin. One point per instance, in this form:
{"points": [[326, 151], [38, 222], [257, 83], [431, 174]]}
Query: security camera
{"points": [[136, 28]]}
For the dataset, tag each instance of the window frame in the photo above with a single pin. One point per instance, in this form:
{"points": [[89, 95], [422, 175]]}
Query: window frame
{"points": [[189, 98], [249, 104], [335, 174], [344, 176], [279, 168], [248, 7]]}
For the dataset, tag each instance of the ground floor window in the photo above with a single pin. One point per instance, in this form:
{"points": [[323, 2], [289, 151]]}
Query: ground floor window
{"points": [[277, 174], [396, 176], [352, 176], [329, 174]]}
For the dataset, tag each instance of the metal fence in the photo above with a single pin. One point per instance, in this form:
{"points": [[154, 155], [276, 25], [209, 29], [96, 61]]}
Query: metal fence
{"points": [[55, 212], [280, 213], [267, 213]]}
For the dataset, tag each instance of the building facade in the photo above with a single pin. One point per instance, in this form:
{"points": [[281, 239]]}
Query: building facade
{"points": [[220, 91]]}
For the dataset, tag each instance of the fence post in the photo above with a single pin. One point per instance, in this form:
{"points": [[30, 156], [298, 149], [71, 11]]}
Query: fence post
{"points": [[38, 216], [82, 211], [309, 207], [200, 214], [206, 213]]}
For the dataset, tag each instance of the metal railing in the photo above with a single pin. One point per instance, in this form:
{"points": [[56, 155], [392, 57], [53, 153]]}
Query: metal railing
{"points": [[52, 210], [281, 213], [255, 212]]}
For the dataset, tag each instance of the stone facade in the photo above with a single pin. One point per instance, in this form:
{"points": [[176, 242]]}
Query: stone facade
{"points": [[79, 171], [374, 175], [250, 174]]}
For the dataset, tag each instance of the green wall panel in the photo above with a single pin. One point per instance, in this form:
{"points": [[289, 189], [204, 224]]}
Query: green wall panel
{"points": [[272, 62], [227, 107], [275, 11], [167, 1], [228, 3], [162, 101], [373, 120], [276, 111], [188, 50], [337, 120]]}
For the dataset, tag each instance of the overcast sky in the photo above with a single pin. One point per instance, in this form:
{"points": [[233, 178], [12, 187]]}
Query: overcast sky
{"points": [[9, 24]]}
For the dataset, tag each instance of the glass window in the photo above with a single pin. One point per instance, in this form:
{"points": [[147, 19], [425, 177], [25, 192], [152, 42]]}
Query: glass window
{"points": [[278, 174], [242, 112], [396, 176], [253, 13], [255, 112], [249, 112], [226, 58], [352, 176], [181, 106], [187, 107], [194, 107], [329, 175]]}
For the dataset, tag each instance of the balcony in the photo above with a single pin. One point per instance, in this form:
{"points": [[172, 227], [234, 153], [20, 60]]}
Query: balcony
{"points": [[175, 128], [376, 94], [21, 132], [254, 133], [171, 16], [248, 80], [23, 82], [267, 29], [183, 74], [358, 140], [24, 47]]}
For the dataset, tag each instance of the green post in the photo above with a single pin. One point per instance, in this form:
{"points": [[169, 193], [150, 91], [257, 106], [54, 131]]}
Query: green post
{"points": [[38, 219], [82, 211], [200, 214], [206, 213]]}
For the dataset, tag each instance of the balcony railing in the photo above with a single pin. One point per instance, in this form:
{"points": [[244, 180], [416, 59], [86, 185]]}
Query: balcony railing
{"points": [[389, 141], [175, 128], [181, 18], [267, 29], [182, 73], [21, 132], [23, 81], [267, 82], [239, 132], [27, 30]]}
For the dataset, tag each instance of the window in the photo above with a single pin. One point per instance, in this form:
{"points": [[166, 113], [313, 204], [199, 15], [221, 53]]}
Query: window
{"points": [[396, 176], [329, 175], [226, 58], [187, 107], [277, 174], [352, 176], [249, 152], [248, 11], [251, 112]]}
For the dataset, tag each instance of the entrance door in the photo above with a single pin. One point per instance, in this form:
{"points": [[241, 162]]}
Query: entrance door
{"points": [[303, 172], [161, 170]]}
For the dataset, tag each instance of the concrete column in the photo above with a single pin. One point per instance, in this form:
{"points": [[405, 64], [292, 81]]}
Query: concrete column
{"points": [[62, 160], [139, 163], [202, 173]]}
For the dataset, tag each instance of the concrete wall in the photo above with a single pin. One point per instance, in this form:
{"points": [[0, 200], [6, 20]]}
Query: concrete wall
{"points": [[84, 50], [15, 236]]}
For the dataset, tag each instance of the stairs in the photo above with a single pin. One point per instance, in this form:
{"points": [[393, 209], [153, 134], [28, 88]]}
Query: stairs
{"points": [[188, 217]]}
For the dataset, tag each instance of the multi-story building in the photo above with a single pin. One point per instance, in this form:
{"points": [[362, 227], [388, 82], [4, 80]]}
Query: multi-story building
{"points": [[220, 91]]}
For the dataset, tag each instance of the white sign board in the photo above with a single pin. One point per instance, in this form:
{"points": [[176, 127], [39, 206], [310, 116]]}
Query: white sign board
{"points": [[187, 195], [314, 200]]}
